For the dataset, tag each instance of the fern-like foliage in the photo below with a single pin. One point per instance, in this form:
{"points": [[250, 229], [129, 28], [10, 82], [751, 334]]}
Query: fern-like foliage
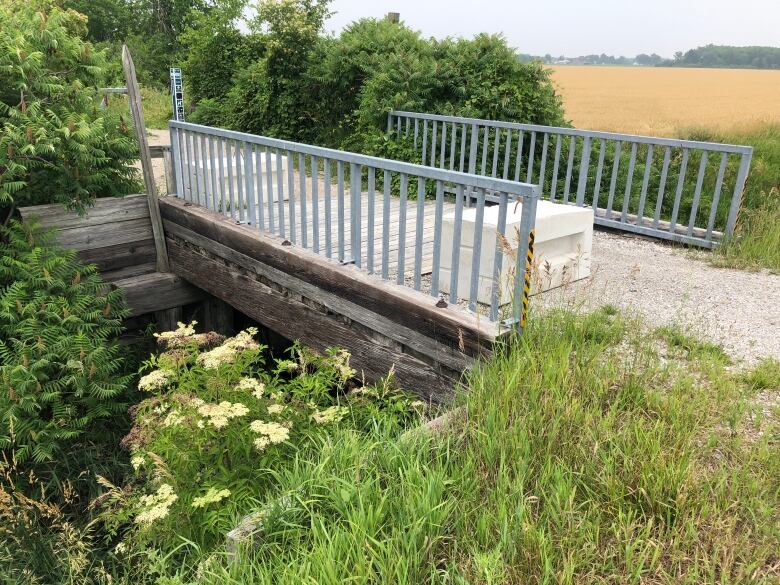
{"points": [[61, 370], [56, 144]]}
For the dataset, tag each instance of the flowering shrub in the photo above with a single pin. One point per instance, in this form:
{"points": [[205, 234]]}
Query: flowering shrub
{"points": [[217, 423]]}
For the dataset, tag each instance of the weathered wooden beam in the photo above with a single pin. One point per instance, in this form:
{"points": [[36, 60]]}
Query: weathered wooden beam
{"points": [[217, 316], [410, 338], [104, 210], [409, 308], [281, 312], [136, 109], [157, 291]]}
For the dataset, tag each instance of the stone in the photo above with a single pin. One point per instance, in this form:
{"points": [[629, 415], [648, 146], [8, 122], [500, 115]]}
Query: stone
{"points": [[562, 250]]}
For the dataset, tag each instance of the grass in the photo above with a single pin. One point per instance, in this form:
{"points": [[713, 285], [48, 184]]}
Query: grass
{"points": [[660, 101], [591, 453], [157, 107]]}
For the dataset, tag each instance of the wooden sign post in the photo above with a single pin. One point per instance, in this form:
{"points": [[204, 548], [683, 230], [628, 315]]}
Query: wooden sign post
{"points": [[136, 110]]}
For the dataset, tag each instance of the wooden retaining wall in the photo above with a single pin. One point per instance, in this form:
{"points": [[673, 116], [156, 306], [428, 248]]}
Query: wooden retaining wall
{"points": [[116, 235], [304, 296]]}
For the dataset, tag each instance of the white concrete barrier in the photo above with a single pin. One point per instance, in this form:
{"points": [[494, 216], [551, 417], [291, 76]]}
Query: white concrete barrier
{"points": [[562, 251]]}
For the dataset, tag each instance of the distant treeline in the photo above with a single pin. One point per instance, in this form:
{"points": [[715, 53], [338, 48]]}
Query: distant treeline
{"points": [[725, 56], [716, 56], [603, 59]]}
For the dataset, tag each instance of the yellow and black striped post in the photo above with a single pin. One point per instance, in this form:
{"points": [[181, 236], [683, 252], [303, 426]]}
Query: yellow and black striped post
{"points": [[529, 263]]}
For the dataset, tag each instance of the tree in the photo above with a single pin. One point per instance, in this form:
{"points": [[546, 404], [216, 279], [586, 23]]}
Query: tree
{"points": [[56, 145]]}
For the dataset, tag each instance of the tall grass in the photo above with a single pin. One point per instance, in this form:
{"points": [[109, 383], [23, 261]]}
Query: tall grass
{"points": [[157, 107], [590, 453]]}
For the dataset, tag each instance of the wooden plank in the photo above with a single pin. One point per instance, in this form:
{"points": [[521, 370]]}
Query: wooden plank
{"points": [[295, 320], [107, 234], [414, 310], [129, 271], [119, 256], [445, 354], [105, 210], [136, 109], [157, 291]]}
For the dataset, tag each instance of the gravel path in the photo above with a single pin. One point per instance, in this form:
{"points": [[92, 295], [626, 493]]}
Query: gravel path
{"points": [[739, 310]]}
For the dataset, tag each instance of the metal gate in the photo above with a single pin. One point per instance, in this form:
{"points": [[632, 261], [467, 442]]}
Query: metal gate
{"points": [[680, 190]]}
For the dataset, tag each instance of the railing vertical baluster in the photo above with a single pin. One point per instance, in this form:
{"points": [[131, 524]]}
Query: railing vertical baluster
{"points": [[304, 211], [213, 173], [523, 265], [221, 163], [190, 165], [569, 166], [736, 198], [424, 141], [340, 204], [531, 157], [370, 219], [543, 163], [239, 180], [485, 140], [477, 249], [697, 192], [629, 183], [328, 199], [443, 152], [498, 257], [398, 126], [716, 196], [203, 196], [496, 146], [291, 195], [556, 163], [402, 228], [437, 228], [416, 132], [406, 127], [389, 122], [280, 192], [355, 188], [582, 181], [507, 153], [315, 202], [519, 157], [645, 183], [176, 159], [260, 191], [250, 184], [462, 147], [231, 189], [599, 173], [386, 184], [453, 140], [472, 169], [662, 186], [456, 234], [269, 183], [418, 234], [613, 181], [679, 193], [433, 144]]}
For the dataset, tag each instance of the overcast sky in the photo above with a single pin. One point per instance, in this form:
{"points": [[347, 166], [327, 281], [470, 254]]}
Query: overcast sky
{"points": [[577, 27]]}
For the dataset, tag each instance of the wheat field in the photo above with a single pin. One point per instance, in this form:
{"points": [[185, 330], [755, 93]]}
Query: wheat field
{"points": [[667, 101]]}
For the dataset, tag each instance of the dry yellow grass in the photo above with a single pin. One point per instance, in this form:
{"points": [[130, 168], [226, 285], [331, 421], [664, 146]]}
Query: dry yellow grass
{"points": [[664, 101]]}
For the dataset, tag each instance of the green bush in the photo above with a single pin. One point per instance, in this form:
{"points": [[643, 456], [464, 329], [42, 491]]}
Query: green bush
{"points": [[56, 145], [60, 367], [220, 423], [337, 91]]}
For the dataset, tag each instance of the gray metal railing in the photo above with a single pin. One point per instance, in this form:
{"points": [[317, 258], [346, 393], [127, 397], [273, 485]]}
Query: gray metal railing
{"points": [[635, 183], [355, 208]]}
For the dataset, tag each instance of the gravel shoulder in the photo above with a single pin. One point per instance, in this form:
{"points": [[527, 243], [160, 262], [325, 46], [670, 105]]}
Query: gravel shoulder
{"points": [[737, 309]]}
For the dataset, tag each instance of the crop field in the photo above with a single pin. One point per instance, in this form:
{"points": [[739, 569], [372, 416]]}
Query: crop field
{"points": [[667, 101]]}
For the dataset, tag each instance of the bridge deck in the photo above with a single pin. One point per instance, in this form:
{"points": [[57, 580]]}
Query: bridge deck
{"points": [[339, 240]]}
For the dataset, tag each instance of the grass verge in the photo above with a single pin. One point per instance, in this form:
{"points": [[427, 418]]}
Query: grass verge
{"points": [[591, 453]]}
